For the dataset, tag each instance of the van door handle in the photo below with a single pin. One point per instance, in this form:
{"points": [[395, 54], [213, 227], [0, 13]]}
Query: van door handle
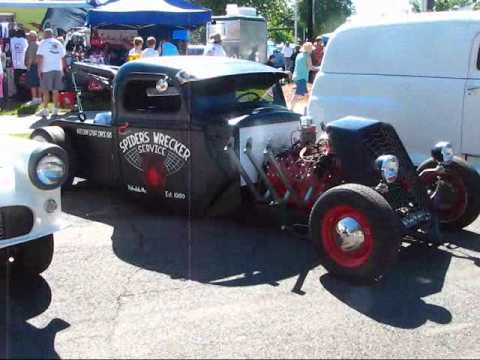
{"points": [[473, 89]]}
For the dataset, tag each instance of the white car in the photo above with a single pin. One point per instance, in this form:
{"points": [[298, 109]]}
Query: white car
{"points": [[31, 174]]}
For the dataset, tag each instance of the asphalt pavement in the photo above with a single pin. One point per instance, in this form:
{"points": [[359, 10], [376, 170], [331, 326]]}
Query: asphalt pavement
{"points": [[130, 282]]}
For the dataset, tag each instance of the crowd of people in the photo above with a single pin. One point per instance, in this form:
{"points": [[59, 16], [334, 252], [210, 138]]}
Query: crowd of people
{"points": [[303, 62], [40, 64], [38, 67]]}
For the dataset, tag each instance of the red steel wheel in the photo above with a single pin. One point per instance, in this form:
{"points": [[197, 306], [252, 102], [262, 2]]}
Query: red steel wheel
{"points": [[356, 232], [457, 204], [347, 236], [452, 198]]}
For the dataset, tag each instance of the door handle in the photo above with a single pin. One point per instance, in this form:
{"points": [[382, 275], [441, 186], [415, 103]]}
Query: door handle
{"points": [[473, 89]]}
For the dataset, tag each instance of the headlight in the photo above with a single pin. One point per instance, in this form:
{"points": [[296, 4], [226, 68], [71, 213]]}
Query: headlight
{"points": [[51, 170], [48, 168], [388, 166], [443, 152]]}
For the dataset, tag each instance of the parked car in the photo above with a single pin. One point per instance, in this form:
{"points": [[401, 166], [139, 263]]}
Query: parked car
{"points": [[420, 73], [193, 50], [31, 174], [205, 136]]}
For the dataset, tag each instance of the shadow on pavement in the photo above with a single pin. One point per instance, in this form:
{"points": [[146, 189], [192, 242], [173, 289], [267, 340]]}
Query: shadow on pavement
{"points": [[21, 300], [398, 300], [251, 252], [216, 251]]}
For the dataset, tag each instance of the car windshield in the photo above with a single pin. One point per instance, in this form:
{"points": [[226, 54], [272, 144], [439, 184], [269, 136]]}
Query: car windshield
{"points": [[232, 93]]}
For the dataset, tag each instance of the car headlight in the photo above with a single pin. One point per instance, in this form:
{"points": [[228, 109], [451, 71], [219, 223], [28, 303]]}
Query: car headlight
{"points": [[51, 170], [388, 165], [48, 168], [443, 152]]}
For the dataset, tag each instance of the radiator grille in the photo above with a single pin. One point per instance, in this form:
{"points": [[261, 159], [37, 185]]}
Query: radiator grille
{"points": [[15, 221], [408, 190]]}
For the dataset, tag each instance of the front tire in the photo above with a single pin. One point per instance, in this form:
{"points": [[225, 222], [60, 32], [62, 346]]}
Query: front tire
{"points": [[356, 232], [463, 187], [34, 257]]}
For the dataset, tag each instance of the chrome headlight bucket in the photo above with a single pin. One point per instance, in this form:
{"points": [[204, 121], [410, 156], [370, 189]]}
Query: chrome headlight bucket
{"points": [[48, 168], [389, 166], [443, 152]]}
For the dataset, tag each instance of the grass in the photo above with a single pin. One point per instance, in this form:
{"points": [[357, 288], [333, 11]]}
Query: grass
{"points": [[11, 108], [26, 16]]}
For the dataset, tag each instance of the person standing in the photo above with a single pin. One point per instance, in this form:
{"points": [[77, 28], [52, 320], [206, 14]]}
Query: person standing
{"points": [[2, 78], [215, 48], [287, 52], [303, 66], [150, 50], [317, 56], [136, 52], [33, 81], [18, 45], [51, 62], [167, 48]]}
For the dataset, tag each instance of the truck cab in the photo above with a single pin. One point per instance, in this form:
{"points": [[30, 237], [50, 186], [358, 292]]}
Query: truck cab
{"points": [[171, 119]]}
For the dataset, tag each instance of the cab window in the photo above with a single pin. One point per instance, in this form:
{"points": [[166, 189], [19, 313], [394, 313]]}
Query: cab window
{"points": [[142, 96]]}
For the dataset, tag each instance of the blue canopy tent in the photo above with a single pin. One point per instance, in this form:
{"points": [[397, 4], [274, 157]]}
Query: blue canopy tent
{"points": [[141, 13]]}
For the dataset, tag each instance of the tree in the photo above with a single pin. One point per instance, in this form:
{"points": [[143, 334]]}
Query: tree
{"points": [[445, 5], [416, 5], [278, 13], [328, 14]]}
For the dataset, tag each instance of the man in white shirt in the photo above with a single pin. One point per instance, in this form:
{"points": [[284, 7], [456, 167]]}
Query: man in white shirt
{"points": [[150, 50], [50, 59], [215, 47], [287, 54], [18, 48]]}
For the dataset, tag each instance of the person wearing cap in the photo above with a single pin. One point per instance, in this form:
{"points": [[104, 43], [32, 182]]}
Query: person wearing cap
{"points": [[51, 62], [33, 80], [303, 66], [215, 48]]}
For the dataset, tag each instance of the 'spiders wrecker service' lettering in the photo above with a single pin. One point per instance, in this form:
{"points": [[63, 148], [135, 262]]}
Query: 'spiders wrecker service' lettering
{"points": [[156, 142]]}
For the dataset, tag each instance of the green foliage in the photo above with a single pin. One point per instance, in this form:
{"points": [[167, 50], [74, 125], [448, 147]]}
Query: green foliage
{"points": [[329, 14], [278, 13], [445, 5], [26, 16], [416, 5], [26, 110]]}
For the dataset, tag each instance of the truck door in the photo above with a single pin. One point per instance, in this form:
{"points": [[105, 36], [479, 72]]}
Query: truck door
{"points": [[153, 143], [471, 115]]}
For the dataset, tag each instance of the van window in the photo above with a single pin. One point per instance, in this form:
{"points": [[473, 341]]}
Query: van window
{"points": [[142, 96], [478, 60]]}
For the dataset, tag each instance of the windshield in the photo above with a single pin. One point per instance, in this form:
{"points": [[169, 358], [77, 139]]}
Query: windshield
{"points": [[232, 93]]}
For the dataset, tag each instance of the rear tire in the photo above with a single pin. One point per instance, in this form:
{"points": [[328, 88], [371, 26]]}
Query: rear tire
{"points": [[469, 180], [34, 257], [378, 223], [56, 135]]}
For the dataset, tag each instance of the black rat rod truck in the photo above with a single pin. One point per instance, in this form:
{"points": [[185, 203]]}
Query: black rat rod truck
{"points": [[192, 133]]}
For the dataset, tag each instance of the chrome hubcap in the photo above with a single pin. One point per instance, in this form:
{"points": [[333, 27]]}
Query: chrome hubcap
{"points": [[350, 236]]}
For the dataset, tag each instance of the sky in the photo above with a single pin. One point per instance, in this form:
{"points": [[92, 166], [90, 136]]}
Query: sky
{"points": [[379, 7]]}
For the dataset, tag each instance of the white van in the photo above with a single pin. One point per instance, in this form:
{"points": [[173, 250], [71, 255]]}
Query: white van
{"points": [[420, 73]]}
